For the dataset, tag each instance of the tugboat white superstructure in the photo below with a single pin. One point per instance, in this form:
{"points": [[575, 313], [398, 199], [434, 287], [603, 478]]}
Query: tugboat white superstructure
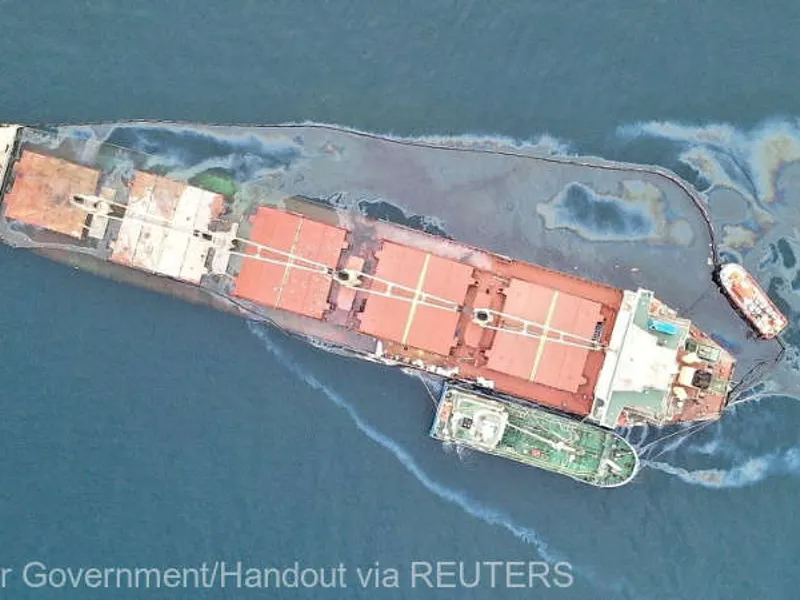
{"points": [[752, 301]]}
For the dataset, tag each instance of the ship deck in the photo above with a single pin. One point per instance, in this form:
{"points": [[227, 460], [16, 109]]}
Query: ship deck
{"points": [[419, 296], [376, 288], [534, 437]]}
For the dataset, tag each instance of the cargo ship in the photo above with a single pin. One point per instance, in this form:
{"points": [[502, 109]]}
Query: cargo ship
{"points": [[367, 288], [535, 437], [749, 298]]}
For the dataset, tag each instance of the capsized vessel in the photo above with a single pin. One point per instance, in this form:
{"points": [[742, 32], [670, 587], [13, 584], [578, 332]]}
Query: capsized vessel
{"points": [[534, 436]]}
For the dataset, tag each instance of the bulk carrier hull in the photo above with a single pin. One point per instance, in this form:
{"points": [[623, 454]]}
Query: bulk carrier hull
{"points": [[372, 289]]}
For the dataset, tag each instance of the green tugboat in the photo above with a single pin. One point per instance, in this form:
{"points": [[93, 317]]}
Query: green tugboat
{"points": [[534, 436]]}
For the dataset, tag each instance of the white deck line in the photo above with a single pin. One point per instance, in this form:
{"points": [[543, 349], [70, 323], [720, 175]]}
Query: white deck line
{"points": [[545, 329], [288, 264], [415, 302]]}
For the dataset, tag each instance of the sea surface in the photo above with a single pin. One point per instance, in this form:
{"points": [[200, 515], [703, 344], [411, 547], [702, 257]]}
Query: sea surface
{"points": [[139, 431]]}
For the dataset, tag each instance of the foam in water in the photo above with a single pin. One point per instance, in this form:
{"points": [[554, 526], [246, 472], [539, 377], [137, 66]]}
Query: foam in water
{"points": [[464, 453], [644, 444], [749, 472], [746, 469], [764, 390], [631, 433], [710, 448], [674, 443]]}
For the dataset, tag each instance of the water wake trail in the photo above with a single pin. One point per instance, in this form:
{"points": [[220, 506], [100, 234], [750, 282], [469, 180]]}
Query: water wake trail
{"points": [[484, 513], [677, 438], [712, 447], [756, 398], [746, 469], [472, 507], [749, 472]]}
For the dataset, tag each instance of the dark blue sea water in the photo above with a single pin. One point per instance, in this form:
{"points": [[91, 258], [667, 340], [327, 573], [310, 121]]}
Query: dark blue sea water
{"points": [[139, 431]]}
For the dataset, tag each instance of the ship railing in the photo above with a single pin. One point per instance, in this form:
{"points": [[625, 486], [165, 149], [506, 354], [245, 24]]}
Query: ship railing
{"points": [[102, 209], [418, 297], [291, 260], [284, 263], [415, 296], [390, 288], [423, 298], [520, 326]]}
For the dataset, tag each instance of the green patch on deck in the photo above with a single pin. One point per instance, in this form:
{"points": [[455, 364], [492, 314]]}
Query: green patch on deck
{"points": [[534, 436], [215, 180], [163, 170]]}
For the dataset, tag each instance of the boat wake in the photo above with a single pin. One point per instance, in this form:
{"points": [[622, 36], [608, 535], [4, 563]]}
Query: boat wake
{"points": [[749, 162], [748, 468], [751, 471], [472, 507], [662, 444], [710, 448]]}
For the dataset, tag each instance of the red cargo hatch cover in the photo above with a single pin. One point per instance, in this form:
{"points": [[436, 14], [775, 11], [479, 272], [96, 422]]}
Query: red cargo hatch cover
{"points": [[545, 361], [281, 285], [408, 318]]}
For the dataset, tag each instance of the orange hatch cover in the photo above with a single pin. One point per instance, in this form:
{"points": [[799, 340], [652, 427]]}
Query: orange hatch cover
{"points": [[421, 309], [42, 190], [278, 284], [545, 360]]}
